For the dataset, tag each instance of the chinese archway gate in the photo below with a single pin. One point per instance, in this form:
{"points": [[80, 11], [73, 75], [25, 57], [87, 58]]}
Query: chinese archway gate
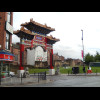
{"points": [[33, 34]]}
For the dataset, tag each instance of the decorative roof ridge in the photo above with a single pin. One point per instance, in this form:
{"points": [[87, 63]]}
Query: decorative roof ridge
{"points": [[38, 24], [52, 38], [24, 30]]}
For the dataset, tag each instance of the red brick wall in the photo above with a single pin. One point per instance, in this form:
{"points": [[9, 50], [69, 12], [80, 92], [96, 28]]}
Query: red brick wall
{"points": [[3, 19], [16, 52], [11, 35], [2, 30]]}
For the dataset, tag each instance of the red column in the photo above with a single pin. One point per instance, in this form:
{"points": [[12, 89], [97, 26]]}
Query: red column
{"points": [[51, 59], [31, 43], [45, 43], [21, 54]]}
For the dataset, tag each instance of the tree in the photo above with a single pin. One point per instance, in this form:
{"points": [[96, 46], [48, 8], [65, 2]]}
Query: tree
{"points": [[97, 57], [89, 58]]}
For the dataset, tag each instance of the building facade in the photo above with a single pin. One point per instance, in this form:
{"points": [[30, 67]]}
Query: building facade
{"points": [[58, 60], [73, 62], [6, 30]]}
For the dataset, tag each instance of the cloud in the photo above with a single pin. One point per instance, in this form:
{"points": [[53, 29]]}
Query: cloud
{"points": [[15, 39], [92, 51], [68, 27], [67, 51]]}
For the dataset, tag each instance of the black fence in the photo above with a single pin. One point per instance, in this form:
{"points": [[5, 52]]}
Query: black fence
{"points": [[77, 71], [41, 76], [35, 78]]}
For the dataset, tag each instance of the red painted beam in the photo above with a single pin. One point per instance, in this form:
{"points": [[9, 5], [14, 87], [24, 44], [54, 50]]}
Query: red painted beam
{"points": [[51, 59]]}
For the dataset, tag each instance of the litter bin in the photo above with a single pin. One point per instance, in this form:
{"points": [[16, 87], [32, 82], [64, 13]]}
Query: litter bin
{"points": [[75, 70]]}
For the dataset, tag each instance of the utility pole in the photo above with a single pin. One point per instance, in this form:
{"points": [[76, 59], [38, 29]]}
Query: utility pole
{"points": [[83, 48]]}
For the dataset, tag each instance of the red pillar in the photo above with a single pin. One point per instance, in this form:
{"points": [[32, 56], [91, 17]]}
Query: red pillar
{"points": [[31, 43], [51, 59], [45, 43], [21, 54]]}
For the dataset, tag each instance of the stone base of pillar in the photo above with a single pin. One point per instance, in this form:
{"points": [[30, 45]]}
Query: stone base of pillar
{"points": [[51, 71], [20, 72]]}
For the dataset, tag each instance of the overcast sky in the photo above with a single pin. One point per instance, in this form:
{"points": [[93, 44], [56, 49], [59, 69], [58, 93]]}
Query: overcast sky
{"points": [[68, 27]]}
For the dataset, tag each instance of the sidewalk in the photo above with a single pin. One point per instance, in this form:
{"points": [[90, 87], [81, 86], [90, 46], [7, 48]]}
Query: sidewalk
{"points": [[14, 81], [33, 79], [85, 74]]}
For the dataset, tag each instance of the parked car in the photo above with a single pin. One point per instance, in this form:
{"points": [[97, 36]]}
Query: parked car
{"points": [[12, 74]]}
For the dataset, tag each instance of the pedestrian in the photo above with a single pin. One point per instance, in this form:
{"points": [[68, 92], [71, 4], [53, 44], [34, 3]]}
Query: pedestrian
{"points": [[84, 69], [89, 68], [73, 70]]}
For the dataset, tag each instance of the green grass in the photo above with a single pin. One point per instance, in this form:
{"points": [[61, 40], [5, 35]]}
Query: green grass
{"points": [[31, 71], [65, 71], [95, 69]]}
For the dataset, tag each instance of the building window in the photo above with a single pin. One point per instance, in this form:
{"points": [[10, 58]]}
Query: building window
{"points": [[16, 57], [7, 41], [9, 17]]}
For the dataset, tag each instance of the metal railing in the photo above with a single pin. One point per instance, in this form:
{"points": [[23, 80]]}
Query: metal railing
{"points": [[80, 73], [35, 78]]}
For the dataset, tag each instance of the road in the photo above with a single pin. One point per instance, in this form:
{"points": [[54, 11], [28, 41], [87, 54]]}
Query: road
{"points": [[69, 81]]}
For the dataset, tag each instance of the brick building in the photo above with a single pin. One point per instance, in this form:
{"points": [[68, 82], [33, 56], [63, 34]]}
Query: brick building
{"points": [[6, 30], [73, 62], [58, 60], [16, 51]]}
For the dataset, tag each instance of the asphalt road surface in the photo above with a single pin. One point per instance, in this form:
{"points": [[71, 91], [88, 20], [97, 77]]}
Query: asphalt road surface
{"points": [[69, 81]]}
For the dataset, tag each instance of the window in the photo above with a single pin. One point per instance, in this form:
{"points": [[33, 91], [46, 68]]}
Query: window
{"points": [[7, 46], [9, 17], [16, 57]]}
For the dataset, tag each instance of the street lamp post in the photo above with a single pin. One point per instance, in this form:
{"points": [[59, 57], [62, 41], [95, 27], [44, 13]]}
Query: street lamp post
{"points": [[83, 49]]}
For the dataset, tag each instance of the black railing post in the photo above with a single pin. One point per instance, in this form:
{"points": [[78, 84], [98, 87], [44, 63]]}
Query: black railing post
{"points": [[68, 72], [45, 75], [96, 71], [0, 77], [38, 77]]}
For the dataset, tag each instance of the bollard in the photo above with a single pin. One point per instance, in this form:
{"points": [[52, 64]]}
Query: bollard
{"points": [[21, 78], [0, 79], [45, 75], [84, 73], [68, 72], [34, 73]]}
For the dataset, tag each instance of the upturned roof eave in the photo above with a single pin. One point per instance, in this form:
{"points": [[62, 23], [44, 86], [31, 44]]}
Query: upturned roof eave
{"points": [[38, 24]]}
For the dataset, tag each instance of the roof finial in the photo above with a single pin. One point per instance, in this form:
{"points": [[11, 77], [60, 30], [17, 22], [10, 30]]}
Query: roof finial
{"points": [[31, 19], [45, 25]]}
